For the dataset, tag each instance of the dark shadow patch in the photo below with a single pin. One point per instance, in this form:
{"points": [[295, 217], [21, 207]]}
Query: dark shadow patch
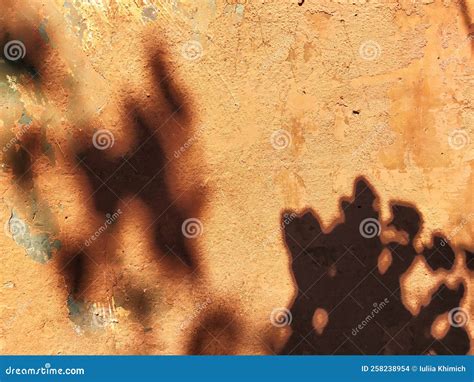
{"points": [[406, 218], [23, 50], [18, 159], [468, 22], [366, 314], [143, 173], [440, 255], [217, 334], [470, 260], [74, 265], [466, 16], [140, 303], [172, 94]]}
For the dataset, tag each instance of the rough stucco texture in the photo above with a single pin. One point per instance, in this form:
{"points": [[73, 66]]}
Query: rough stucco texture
{"points": [[184, 177]]}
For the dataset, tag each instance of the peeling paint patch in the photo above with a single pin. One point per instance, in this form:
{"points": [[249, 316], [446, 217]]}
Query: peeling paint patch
{"points": [[150, 13], [25, 119], [9, 285], [239, 9], [233, 6], [42, 31], [95, 316], [76, 22], [39, 247], [46, 147]]}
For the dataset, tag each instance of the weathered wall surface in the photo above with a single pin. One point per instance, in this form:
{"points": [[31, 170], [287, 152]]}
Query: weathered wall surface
{"points": [[121, 120]]}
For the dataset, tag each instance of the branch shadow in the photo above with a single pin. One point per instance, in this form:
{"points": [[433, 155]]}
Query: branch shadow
{"points": [[337, 271]]}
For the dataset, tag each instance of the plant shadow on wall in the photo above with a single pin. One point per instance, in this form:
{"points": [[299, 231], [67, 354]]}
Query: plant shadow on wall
{"points": [[359, 309], [16, 63], [143, 173], [216, 333]]}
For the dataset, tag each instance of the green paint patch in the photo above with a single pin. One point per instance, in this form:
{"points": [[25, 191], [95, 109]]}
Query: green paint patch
{"points": [[89, 316], [42, 31], [75, 308], [79, 314], [46, 147], [39, 247], [25, 119], [239, 9]]}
